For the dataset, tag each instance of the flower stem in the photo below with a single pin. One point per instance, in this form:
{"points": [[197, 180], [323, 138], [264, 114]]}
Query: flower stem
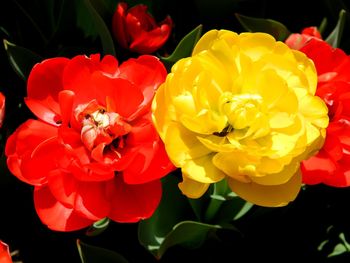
{"points": [[213, 208]]}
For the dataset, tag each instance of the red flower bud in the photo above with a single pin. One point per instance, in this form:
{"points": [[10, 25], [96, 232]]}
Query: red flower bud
{"points": [[137, 30]]}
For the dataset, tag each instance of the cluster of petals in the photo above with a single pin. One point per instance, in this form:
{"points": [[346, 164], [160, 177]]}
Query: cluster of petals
{"points": [[135, 29], [242, 108], [331, 165], [93, 152]]}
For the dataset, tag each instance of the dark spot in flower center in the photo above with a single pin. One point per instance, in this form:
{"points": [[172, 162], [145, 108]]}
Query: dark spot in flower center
{"points": [[224, 132]]}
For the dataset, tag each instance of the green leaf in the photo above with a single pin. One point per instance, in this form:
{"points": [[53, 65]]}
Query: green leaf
{"points": [[93, 254], [190, 234], [341, 247], [105, 8], [21, 59], [338, 250], [93, 25], [335, 36], [185, 46], [172, 209], [98, 227], [272, 27], [173, 223], [323, 25], [233, 210], [225, 205]]}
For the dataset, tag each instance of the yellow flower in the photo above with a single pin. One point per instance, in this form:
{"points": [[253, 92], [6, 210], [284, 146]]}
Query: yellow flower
{"points": [[242, 107]]}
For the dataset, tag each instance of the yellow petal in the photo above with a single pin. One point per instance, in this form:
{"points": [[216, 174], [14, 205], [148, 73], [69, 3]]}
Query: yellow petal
{"points": [[307, 67], [207, 40], [159, 111], [315, 110], [219, 144], [182, 145], [280, 120], [236, 165], [281, 176], [202, 170], [191, 188], [267, 195], [205, 122], [256, 45]]}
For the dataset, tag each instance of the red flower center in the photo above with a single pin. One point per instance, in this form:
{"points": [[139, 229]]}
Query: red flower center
{"points": [[101, 127]]}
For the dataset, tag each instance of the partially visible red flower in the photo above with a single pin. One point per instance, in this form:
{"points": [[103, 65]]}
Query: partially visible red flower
{"points": [[2, 108], [93, 152], [137, 30], [297, 41], [5, 256], [331, 165]]}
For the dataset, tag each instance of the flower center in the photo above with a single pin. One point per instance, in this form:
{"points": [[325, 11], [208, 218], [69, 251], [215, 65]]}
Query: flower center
{"points": [[242, 110], [101, 127]]}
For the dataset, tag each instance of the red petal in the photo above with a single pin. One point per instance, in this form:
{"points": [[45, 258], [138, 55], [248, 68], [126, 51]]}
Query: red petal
{"points": [[83, 173], [66, 98], [331, 57], [142, 131], [149, 42], [118, 25], [86, 198], [5, 256], [297, 41], [70, 136], [23, 151], [55, 215], [49, 114], [131, 203], [44, 84], [141, 17], [2, 108], [93, 80], [91, 200], [340, 178], [138, 21], [311, 31], [145, 169], [317, 168], [147, 73], [63, 187], [126, 96], [109, 65], [333, 147]]}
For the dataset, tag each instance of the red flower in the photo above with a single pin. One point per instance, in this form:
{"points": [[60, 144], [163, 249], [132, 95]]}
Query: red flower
{"points": [[2, 108], [137, 30], [5, 256], [93, 152], [297, 41], [331, 165]]}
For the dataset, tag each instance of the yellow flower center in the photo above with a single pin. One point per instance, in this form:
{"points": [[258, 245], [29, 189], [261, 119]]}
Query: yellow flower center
{"points": [[242, 110]]}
